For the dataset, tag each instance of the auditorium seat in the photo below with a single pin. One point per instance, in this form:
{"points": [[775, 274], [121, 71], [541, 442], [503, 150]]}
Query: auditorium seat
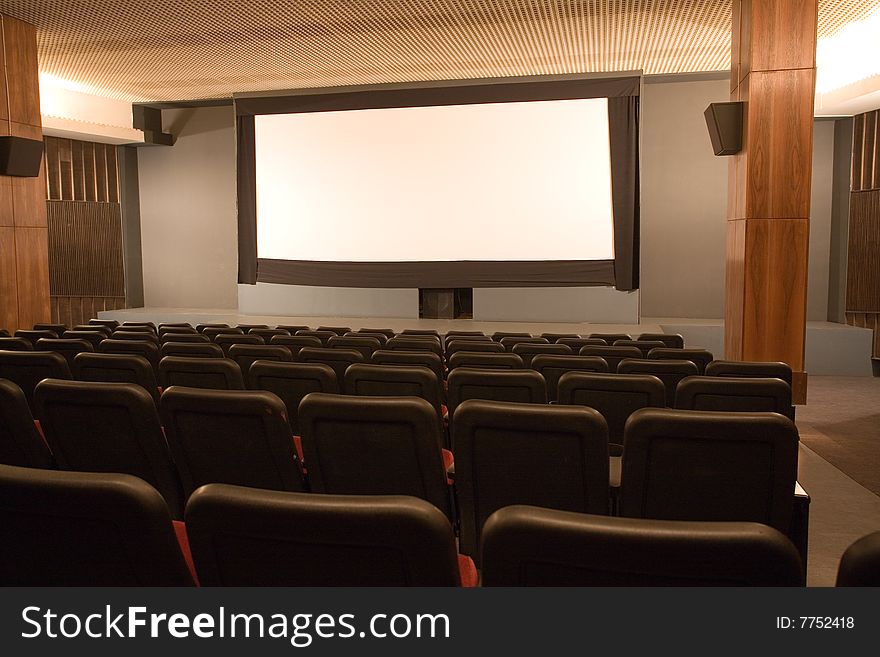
{"points": [[671, 340], [366, 346], [143, 348], [610, 338], [57, 329], [338, 330], [374, 446], [498, 336], [191, 350], [143, 336], [323, 336], [615, 396], [86, 529], [230, 437], [183, 325], [551, 367], [339, 359], [670, 372], [92, 337], [247, 537], [107, 427], [149, 325], [612, 355], [16, 344], [387, 332], [201, 328], [371, 380], [246, 354], [33, 336], [510, 342], [291, 382], [90, 328], [183, 337], [268, 333], [208, 373], [720, 393], [20, 442], [178, 330], [111, 324], [736, 368], [700, 357], [27, 368], [528, 546], [426, 358], [213, 331], [860, 564], [450, 334], [548, 456], [527, 351], [67, 347], [525, 386], [485, 360], [644, 346], [473, 346], [555, 337], [701, 465], [226, 340], [292, 328], [295, 342], [414, 343], [577, 343], [381, 337], [117, 368], [4, 333], [247, 327]]}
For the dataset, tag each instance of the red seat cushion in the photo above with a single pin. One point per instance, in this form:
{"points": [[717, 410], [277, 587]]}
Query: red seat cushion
{"points": [[468, 571], [183, 541]]}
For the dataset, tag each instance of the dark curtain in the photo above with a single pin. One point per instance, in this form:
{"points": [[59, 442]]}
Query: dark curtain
{"points": [[246, 164], [623, 128]]}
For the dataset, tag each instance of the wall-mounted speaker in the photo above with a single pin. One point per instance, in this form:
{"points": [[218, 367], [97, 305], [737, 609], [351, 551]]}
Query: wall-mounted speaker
{"points": [[725, 123], [20, 157]]}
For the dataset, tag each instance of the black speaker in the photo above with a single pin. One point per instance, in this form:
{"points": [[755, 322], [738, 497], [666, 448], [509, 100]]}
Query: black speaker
{"points": [[725, 123], [20, 157]]}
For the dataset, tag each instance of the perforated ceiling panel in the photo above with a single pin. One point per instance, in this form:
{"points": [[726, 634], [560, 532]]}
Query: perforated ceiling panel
{"points": [[142, 50]]}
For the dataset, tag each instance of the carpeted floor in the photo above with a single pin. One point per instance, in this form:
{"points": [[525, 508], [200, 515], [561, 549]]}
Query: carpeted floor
{"points": [[841, 423]]}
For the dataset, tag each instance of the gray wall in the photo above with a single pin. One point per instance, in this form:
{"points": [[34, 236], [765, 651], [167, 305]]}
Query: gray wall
{"points": [[188, 216], [189, 229]]}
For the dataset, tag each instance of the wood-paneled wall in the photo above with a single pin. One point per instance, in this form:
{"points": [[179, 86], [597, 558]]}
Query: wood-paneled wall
{"points": [[24, 262], [85, 229], [863, 256]]}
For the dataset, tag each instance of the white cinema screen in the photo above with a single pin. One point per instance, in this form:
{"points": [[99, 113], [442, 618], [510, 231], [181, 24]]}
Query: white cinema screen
{"points": [[517, 181]]}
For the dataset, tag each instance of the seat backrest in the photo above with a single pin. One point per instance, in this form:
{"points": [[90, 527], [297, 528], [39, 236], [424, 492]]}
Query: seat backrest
{"points": [[612, 355], [381, 337], [57, 329], [498, 336], [551, 367], [210, 373], [615, 396], [91, 328], [495, 385], [323, 336], [387, 332], [487, 346], [373, 446], [701, 465], [509, 343], [555, 337], [371, 380], [479, 334], [191, 350], [16, 344], [735, 368], [338, 330], [27, 368], [292, 328], [528, 546], [230, 437], [145, 348], [116, 368], [721, 393], [246, 537], [671, 340], [670, 372], [171, 336], [213, 331], [610, 338], [414, 344], [365, 345], [67, 347], [247, 327], [85, 529], [860, 564], [20, 442], [485, 360], [527, 351], [548, 456], [33, 336], [147, 325], [339, 359], [226, 340], [295, 342], [577, 343], [401, 357], [202, 327], [246, 354], [291, 382], [644, 346], [177, 327], [123, 333], [700, 357], [268, 333], [107, 427], [111, 324]]}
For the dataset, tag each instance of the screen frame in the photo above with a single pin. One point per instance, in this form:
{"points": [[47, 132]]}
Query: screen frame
{"points": [[622, 93]]}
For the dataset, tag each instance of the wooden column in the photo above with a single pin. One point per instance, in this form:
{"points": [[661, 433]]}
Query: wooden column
{"points": [[773, 55], [24, 263]]}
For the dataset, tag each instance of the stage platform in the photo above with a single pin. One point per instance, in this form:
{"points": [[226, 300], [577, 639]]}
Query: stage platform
{"points": [[832, 349]]}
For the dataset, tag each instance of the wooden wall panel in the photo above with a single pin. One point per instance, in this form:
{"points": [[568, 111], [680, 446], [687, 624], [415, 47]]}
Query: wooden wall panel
{"points": [[22, 75], [8, 280], [31, 253], [66, 162], [75, 310], [734, 288], [771, 18]]}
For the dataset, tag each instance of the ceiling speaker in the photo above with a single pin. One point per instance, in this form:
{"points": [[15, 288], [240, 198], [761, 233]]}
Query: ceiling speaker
{"points": [[725, 123], [20, 157]]}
